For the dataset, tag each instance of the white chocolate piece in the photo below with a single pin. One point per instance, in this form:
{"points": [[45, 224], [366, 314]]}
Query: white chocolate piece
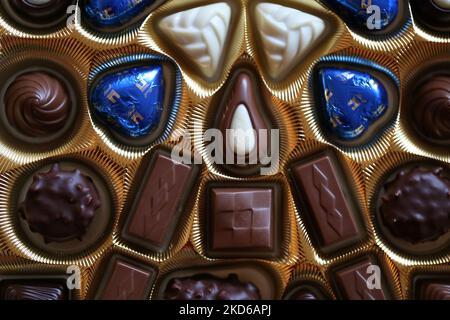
{"points": [[287, 35], [200, 33], [241, 134], [443, 4]]}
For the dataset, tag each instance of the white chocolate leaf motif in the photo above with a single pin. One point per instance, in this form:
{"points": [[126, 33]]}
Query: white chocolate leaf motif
{"points": [[200, 33], [287, 35]]}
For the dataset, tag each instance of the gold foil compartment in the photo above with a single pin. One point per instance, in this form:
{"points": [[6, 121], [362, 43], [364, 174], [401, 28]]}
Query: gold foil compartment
{"points": [[424, 35], [287, 86], [289, 250], [367, 152], [13, 239], [12, 266], [389, 270], [411, 274], [183, 226], [73, 58], [375, 176], [200, 84], [9, 28], [414, 61], [402, 36], [286, 118], [351, 168], [187, 262], [177, 117], [311, 275]]}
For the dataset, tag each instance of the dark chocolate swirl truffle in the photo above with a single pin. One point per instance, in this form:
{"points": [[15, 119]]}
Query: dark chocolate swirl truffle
{"points": [[208, 287], [416, 205], [37, 104], [60, 204], [431, 109]]}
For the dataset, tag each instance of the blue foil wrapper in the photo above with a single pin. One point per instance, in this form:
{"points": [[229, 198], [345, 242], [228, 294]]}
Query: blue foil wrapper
{"points": [[131, 101], [355, 13], [113, 13], [353, 100]]}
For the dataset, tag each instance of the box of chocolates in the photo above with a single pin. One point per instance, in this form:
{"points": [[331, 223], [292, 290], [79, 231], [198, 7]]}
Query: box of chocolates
{"points": [[225, 150]]}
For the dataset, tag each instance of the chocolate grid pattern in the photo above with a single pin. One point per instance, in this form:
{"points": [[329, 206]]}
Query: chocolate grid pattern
{"points": [[242, 219]]}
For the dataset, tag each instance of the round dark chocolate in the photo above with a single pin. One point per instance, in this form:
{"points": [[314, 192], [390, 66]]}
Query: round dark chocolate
{"points": [[431, 108], [415, 206], [37, 14], [60, 204], [37, 104]]}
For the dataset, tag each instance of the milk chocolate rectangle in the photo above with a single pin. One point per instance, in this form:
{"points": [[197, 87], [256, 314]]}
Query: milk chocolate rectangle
{"points": [[125, 279], [361, 280], [161, 197], [329, 211]]}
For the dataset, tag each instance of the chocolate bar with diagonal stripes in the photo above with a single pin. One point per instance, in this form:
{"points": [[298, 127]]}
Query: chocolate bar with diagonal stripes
{"points": [[325, 203]]}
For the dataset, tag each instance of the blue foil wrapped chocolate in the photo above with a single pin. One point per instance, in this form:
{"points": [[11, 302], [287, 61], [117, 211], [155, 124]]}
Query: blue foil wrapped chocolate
{"points": [[356, 98], [363, 14], [113, 13], [131, 100]]}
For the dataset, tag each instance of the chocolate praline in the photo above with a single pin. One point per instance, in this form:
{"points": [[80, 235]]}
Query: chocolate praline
{"points": [[359, 15], [37, 15], [134, 99], [33, 290], [357, 99], [305, 290], [414, 206], [40, 104], [430, 109], [209, 287], [37, 104], [123, 278], [114, 16], [60, 204], [242, 113], [432, 15], [431, 286], [30, 284]]}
